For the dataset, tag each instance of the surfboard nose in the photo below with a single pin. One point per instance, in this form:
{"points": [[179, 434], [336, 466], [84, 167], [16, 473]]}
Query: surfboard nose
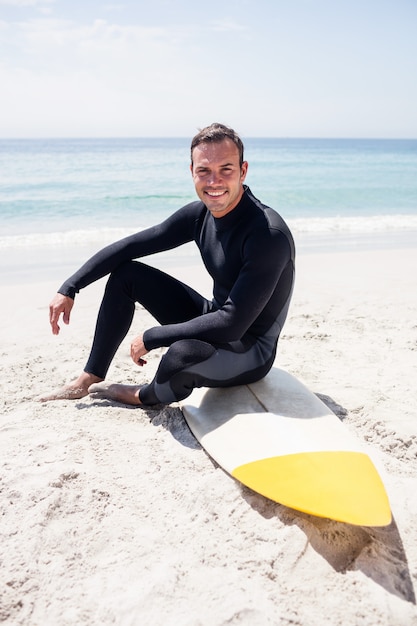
{"points": [[340, 485]]}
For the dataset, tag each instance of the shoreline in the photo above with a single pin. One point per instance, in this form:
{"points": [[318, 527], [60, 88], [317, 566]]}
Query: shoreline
{"points": [[35, 264]]}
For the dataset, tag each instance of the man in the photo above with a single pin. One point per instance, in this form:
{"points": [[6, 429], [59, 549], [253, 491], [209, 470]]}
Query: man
{"points": [[249, 252]]}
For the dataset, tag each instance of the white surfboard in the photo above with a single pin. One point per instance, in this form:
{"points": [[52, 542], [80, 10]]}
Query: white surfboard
{"points": [[279, 439]]}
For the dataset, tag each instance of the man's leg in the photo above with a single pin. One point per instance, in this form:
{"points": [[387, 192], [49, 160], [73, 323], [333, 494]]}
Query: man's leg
{"points": [[166, 298], [191, 363]]}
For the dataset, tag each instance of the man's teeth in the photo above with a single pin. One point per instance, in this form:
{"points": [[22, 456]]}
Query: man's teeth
{"points": [[215, 193]]}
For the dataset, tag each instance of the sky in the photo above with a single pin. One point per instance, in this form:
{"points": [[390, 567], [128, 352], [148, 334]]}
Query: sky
{"points": [[165, 68]]}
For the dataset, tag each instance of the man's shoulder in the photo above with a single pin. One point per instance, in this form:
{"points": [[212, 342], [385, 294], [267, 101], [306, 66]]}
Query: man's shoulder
{"points": [[270, 223], [194, 207], [272, 218], [190, 212]]}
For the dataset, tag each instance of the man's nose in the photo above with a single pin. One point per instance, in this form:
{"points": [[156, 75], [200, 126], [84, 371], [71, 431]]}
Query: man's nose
{"points": [[214, 178]]}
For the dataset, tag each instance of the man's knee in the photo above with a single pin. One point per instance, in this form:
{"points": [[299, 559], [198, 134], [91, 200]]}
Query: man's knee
{"points": [[123, 271], [122, 277], [183, 354]]}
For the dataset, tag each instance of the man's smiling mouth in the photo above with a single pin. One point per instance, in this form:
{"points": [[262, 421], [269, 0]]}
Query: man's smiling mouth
{"points": [[215, 194]]}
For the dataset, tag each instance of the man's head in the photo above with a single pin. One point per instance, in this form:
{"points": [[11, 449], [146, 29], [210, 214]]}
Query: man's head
{"points": [[218, 168]]}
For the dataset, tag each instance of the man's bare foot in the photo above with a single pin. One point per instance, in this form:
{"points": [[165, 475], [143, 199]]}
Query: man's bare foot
{"points": [[75, 390], [126, 394]]}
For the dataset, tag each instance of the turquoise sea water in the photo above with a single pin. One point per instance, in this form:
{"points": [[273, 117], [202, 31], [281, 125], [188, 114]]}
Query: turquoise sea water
{"points": [[62, 199]]}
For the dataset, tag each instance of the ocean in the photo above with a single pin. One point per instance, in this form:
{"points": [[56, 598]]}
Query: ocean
{"points": [[62, 199]]}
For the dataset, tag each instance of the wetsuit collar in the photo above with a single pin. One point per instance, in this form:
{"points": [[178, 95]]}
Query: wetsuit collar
{"points": [[226, 222]]}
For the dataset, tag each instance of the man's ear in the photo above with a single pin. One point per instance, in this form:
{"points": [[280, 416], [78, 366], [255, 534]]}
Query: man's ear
{"points": [[244, 170]]}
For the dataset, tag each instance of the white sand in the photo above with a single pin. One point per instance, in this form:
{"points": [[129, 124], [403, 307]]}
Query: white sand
{"points": [[115, 515]]}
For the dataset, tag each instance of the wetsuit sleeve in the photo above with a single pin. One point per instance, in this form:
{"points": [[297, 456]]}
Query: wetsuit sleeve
{"points": [[265, 259], [176, 230]]}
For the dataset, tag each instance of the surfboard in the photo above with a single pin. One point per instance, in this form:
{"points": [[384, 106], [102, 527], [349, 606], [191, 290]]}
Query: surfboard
{"points": [[278, 438]]}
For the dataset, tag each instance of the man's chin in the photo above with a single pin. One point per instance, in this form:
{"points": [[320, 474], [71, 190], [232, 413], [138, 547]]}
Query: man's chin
{"points": [[216, 209]]}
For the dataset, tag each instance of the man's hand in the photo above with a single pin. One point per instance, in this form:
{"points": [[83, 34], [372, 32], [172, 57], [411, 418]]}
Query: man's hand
{"points": [[60, 304], [138, 350]]}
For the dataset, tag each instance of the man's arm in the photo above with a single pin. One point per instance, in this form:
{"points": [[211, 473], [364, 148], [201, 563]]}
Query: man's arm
{"points": [[265, 262], [173, 232]]}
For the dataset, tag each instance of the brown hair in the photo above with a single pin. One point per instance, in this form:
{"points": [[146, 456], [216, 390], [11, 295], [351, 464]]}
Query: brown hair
{"points": [[215, 133]]}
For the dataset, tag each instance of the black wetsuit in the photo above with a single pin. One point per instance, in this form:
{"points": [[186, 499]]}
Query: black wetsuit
{"points": [[229, 340]]}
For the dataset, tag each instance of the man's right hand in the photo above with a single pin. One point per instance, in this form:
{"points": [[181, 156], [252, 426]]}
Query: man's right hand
{"points": [[60, 304]]}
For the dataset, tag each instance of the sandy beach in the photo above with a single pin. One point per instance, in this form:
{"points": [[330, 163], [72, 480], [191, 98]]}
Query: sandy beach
{"points": [[115, 515]]}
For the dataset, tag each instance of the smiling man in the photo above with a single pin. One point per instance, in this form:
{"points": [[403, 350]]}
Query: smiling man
{"points": [[229, 340]]}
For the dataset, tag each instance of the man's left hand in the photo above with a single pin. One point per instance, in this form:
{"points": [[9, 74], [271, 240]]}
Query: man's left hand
{"points": [[138, 350]]}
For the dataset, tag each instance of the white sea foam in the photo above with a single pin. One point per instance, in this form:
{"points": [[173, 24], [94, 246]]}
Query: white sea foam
{"points": [[361, 225], [69, 238], [353, 225]]}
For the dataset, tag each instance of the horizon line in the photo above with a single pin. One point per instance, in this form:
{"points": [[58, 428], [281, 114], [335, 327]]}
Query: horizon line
{"points": [[133, 137]]}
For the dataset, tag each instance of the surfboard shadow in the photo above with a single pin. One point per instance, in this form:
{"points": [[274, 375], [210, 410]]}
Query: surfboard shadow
{"points": [[334, 406], [172, 419], [377, 552]]}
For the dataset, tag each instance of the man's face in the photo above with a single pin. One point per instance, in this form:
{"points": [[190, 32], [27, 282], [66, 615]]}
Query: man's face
{"points": [[217, 175]]}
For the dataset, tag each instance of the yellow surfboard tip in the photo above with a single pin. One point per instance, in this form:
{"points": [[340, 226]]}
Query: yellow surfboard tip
{"points": [[340, 485]]}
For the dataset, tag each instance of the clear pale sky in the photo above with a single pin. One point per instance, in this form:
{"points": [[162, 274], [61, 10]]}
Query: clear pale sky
{"points": [[279, 68]]}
